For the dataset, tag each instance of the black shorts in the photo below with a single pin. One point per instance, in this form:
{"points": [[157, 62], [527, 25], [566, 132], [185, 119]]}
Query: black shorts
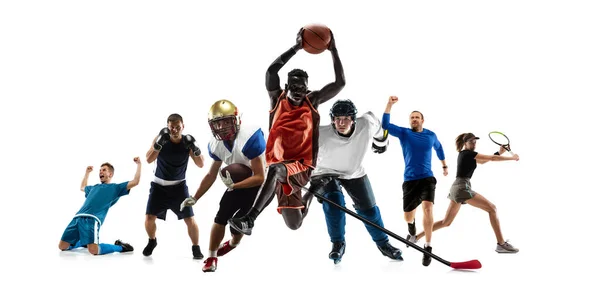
{"points": [[163, 198], [417, 191], [235, 203]]}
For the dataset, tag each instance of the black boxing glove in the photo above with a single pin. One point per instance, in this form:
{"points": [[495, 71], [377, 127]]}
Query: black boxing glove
{"points": [[163, 137], [189, 143]]}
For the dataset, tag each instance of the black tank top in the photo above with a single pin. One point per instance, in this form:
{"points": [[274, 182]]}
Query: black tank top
{"points": [[172, 162]]}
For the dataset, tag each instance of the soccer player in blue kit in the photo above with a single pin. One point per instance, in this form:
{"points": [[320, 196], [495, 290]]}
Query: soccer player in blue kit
{"points": [[419, 182], [84, 228]]}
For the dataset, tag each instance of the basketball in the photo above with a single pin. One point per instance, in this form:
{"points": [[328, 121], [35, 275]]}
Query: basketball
{"points": [[237, 171], [315, 38]]}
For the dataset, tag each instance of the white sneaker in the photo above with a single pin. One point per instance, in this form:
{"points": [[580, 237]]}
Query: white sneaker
{"points": [[506, 248]]}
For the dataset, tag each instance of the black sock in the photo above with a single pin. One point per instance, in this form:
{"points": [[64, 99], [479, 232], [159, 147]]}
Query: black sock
{"points": [[412, 229]]}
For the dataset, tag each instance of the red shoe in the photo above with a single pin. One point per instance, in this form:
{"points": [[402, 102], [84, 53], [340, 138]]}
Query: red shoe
{"points": [[225, 248], [210, 265]]}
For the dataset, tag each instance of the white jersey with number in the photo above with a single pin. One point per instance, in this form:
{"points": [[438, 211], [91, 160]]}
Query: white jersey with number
{"points": [[344, 155], [249, 144]]}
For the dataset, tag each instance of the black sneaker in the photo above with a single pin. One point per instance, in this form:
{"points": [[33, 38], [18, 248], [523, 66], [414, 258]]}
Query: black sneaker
{"points": [[126, 246], [196, 252], [337, 251], [243, 225], [427, 258], [150, 247], [390, 251]]}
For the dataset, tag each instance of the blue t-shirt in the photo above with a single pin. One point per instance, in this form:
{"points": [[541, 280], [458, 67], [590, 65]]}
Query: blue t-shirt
{"points": [[100, 197], [416, 148]]}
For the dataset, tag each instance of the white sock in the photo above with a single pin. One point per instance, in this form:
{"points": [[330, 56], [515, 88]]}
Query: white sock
{"points": [[212, 253], [233, 244], [427, 244]]}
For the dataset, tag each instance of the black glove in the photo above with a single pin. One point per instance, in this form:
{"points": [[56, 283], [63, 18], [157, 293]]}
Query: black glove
{"points": [[163, 137], [380, 144], [189, 143]]}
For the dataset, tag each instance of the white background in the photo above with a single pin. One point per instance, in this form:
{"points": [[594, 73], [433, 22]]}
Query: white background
{"points": [[86, 82]]}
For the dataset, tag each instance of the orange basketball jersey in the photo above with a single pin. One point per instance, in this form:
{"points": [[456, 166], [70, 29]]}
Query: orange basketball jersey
{"points": [[293, 132]]}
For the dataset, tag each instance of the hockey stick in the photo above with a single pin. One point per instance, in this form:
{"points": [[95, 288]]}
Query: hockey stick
{"points": [[472, 264]]}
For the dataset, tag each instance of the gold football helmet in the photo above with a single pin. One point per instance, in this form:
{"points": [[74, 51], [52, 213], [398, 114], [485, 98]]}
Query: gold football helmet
{"points": [[224, 120]]}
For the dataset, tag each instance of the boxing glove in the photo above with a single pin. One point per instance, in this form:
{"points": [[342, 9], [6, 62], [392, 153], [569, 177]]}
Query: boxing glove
{"points": [[189, 143], [163, 137]]}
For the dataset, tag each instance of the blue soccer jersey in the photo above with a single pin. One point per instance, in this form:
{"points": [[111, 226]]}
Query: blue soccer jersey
{"points": [[100, 197]]}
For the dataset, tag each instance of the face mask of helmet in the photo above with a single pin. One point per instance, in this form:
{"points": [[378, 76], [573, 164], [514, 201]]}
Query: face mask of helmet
{"points": [[223, 120]]}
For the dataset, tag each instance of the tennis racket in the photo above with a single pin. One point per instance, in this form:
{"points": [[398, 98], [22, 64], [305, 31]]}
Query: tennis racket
{"points": [[500, 139]]}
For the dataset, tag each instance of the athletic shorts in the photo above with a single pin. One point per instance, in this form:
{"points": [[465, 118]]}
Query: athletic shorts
{"points": [[461, 191], [84, 229], [163, 198], [235, 203], [289, 195], [417, 191]]}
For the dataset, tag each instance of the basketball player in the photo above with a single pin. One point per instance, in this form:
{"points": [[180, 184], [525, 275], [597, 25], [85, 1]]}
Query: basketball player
{"points": [[171, 150], [292, 144], [461, 192], [84, 228], [419, 181], [231, 143], [342, 148]]}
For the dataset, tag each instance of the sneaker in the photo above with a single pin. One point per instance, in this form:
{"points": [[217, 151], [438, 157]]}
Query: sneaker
{"points": [[506, 248], [225, 248], [243, 225], [210, 265], [412, 239], [196, 252], [150, 247], [427, 258], [126, 247], [390, 251], [337, 251]]}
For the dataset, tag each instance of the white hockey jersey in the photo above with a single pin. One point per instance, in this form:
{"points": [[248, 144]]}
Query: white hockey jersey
{"points": [[344, 155]]}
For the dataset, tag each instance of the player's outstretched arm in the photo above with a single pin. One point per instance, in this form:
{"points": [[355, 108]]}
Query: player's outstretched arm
{"points": [[481, 158], [273, 83], [209, 179], [84, 182], [205, 184], [332, 89], [385, 120], [138, 174]]}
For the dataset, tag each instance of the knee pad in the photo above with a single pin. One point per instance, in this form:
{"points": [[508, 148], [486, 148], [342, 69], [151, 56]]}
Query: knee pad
{"points": [[336, 197], [371, 212], [365, 205]]}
